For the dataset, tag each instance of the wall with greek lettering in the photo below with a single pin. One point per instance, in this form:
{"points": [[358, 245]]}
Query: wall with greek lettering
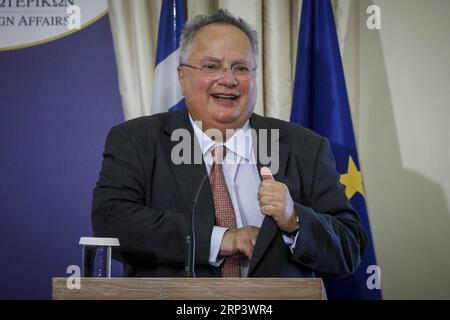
{"points": [[58, 99]]}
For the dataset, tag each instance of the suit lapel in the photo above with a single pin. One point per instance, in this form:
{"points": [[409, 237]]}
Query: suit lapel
{"points": [[269, 228], [189, 176]]}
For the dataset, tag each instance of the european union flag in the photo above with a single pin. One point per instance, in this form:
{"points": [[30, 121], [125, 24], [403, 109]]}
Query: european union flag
{"points": [[320, 103], [166, 90]]}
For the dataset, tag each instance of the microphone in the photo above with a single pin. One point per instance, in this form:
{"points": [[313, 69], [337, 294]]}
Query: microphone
{"points": [[190, 239]]}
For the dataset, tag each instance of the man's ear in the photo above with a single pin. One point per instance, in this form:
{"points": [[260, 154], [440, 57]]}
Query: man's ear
{"points": [[180, 72]]}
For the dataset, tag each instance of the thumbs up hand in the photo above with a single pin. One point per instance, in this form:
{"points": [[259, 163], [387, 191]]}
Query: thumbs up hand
{"points": [[275, 201]]}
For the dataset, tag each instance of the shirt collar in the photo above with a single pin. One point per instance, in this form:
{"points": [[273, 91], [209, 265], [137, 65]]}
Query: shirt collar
{"points": [[239, 143]]}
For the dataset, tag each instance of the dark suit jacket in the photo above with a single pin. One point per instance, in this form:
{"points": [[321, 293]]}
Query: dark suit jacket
{"points": [[145, 200]]}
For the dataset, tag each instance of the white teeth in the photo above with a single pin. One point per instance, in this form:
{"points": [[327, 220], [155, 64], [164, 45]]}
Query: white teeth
{"points": [[222, 96]]}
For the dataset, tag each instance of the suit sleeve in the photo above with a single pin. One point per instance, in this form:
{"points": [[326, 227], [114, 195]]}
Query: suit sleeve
{"points": [[119, 210], [331, 239]]}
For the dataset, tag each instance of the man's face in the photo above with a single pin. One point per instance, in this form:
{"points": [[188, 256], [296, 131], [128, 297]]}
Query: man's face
{"points": [[224, 102]]}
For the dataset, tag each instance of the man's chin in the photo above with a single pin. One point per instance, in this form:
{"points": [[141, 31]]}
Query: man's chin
{"points": [[226, 119]]}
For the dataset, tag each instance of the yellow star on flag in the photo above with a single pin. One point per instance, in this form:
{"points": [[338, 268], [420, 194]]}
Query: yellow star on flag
{"points": [[352, 180]]}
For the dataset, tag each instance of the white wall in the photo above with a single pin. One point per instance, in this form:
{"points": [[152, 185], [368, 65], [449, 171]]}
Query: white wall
{"points": [[399, 83]]}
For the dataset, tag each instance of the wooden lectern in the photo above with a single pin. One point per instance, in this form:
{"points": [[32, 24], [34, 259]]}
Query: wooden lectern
{"points": [[191, 289]]}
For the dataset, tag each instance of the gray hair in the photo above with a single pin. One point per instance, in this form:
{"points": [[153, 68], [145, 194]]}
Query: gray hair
{"points": [[220, 17]]}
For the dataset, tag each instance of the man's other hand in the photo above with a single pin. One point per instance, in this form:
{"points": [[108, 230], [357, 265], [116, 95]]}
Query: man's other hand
{"points": [[239, 242]]}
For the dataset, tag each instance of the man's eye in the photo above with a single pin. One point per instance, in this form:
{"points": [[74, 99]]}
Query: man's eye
{"points": [[210, 67], [242, 69]]}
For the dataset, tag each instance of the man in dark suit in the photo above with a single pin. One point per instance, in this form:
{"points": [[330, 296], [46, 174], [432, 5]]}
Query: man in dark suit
{"points": [[296, 223]]}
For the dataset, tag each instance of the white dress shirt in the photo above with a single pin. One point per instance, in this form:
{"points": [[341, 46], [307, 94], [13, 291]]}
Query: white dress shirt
{"points": [[242, 179]]}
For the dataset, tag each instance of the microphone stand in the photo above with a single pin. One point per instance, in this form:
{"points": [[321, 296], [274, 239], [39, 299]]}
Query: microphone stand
{"points": [[190, 239]]}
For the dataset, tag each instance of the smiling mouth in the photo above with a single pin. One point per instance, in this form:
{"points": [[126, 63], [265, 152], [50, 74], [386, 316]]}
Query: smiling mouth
{"points": [[225, 97]]}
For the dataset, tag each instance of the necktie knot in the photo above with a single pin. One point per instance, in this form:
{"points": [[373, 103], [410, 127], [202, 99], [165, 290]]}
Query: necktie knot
{"points": [[218, 153]]}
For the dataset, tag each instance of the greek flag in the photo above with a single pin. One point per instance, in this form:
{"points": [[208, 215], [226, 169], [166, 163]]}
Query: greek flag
{"points": [[166, 89]]}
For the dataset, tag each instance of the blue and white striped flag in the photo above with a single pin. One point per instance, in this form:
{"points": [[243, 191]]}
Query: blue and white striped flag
{"points": [[166, 88]]}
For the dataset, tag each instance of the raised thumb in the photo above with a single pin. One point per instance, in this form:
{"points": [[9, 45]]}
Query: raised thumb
{"points": [[266, 174]]}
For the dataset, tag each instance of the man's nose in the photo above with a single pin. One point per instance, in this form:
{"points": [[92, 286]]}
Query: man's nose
{"points": [[227, 78]]}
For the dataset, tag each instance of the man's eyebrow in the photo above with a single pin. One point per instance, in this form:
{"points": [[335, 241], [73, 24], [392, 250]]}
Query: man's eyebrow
{"points": [[214, 59], [240, 61]]}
